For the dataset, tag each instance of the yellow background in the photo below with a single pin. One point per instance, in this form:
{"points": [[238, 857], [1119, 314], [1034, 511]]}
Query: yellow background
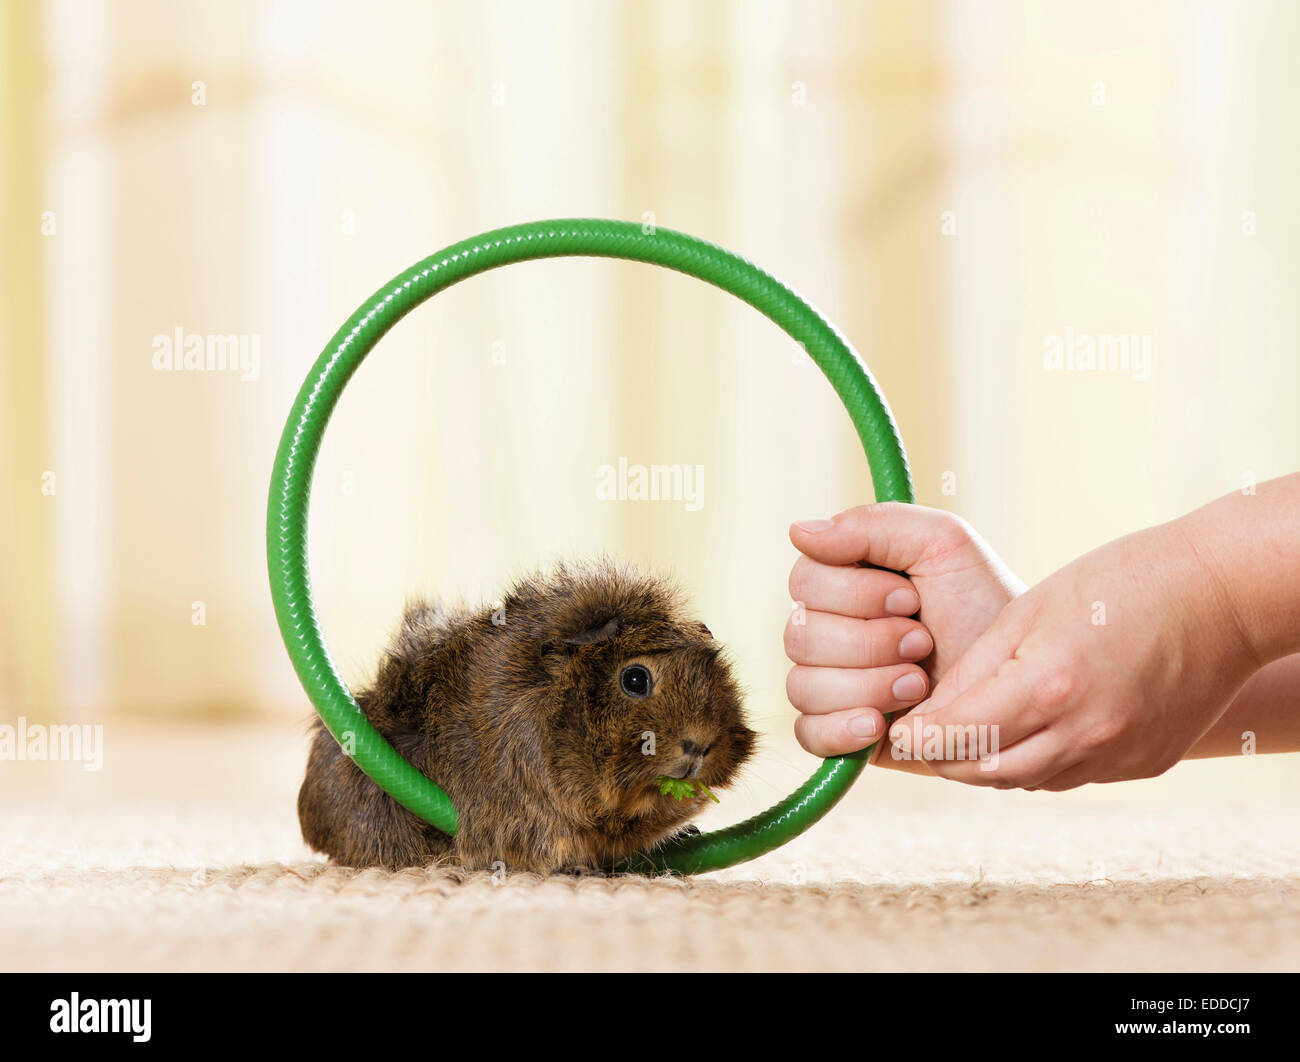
{"points": [[260, 169]]}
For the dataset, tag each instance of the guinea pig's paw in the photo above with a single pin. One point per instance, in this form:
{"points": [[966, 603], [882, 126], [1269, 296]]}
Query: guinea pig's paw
{"points": [[689, 830]]}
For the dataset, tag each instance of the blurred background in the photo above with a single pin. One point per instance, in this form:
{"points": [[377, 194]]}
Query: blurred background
{"points": [[961, 187]]}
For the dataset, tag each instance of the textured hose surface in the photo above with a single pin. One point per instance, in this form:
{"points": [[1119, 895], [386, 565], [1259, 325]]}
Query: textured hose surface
{"points": [[295, 460]]}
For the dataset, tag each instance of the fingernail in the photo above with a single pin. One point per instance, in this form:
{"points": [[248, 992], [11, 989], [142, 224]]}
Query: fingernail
{"points": [[814, 525], [909, 687], [902, 602], [914, 645], [863, 726]]}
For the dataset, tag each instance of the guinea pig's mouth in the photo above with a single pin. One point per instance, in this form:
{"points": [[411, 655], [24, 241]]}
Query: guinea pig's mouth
{"points": [[690, 764]]}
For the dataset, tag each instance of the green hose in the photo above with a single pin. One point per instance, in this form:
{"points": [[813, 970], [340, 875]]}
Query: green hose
{"points": [[295, 460]]}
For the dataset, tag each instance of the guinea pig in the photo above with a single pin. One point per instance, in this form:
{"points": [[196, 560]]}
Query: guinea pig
{"points": [[547, 720]]}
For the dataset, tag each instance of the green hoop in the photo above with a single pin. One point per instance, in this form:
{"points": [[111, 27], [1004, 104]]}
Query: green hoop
{"points": [[295, 460]]}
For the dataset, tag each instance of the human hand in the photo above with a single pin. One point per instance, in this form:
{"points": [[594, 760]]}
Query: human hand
{"points": [[859, 647], [1110, 669]]}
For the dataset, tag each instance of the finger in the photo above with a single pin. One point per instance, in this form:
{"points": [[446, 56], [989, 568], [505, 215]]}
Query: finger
{"points": [[990, 651], [868, 593], [825, 640], [839, 733], [886, 755], [887, 535], [819, 690], [1003, 703], [1024, 765]]}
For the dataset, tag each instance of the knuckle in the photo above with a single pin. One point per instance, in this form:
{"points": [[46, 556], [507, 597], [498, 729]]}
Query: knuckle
{"points": [[863, 595], [795, 639], [870, 509], [798, 583], [888, 509], [1055, 688], [797, 686], [807, 733], [801, 732], [951, 530], [959, 528], [871, 645]]}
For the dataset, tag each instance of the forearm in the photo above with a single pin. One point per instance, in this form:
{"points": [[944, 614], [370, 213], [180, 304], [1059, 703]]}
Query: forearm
{"points": [[1249, 545], [1263, 717]]}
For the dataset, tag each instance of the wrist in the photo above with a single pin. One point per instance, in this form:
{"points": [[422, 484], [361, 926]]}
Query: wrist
{"points": [[1247, 551]]}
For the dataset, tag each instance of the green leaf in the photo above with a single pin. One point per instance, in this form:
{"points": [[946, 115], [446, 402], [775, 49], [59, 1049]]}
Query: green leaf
{"points": [[684, 788], [677, 788]]}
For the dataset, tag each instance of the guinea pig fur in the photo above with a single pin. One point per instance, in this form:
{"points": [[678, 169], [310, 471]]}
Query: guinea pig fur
{"points": [[547, 721]]}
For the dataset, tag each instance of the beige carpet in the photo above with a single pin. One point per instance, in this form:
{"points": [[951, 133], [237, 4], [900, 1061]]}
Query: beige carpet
{"points": [[183, 854]]}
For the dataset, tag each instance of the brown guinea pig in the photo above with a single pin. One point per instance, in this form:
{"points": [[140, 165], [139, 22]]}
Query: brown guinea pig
{"points": [[547, 721]]}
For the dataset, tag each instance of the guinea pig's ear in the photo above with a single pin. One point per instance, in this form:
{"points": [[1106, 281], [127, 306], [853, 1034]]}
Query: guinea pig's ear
{"points": [[593, 636]]}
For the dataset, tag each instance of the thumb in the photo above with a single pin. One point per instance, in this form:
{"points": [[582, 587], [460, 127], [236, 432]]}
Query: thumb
{"points": [[891, 535]]}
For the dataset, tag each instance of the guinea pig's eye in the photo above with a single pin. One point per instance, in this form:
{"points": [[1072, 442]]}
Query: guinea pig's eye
{"points": [[635, 681]]}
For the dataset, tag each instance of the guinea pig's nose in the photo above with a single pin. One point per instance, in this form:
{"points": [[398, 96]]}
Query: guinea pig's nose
{"points": [[692, 762]]}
